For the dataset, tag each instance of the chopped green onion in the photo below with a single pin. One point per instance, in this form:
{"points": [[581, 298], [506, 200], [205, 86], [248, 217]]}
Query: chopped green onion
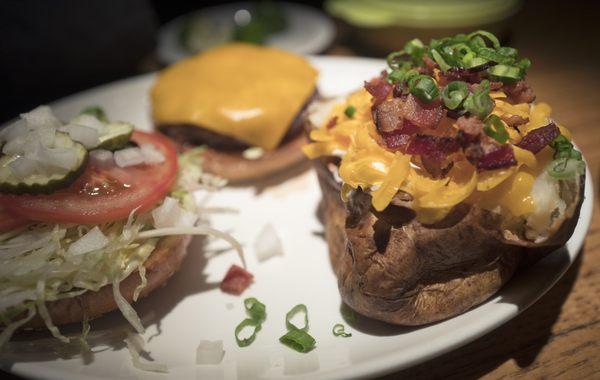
{"points": [[298, 340], [349, 111], [494, 127], [454, 94], [506, 73], [258, 313], [424, 88], [301, 308], [486, 35], [255, 309], [97, 112], [338, 330], [437, 57], [568, 162], [394, 57], [563, 148], [248, 322], [565, 168], [415, 48], [479, 103]]}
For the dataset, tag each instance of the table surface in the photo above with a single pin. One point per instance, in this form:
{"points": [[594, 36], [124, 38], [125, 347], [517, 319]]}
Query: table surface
{"points": [[558, 336]]}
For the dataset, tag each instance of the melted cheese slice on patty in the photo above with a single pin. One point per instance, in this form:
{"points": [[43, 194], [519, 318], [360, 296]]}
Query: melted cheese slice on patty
{"points": [[251, 93]]}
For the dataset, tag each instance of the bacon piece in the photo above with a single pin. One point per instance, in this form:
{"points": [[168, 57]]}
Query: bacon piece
{"points": [[400, 138], [388, 115], [437, 168], [455, 73], [470, 128], [332, 122], [420, 114], [430, 64], [379, 88], [502, 157], [514, 120], [537, 139], [436, 147], [396, 141], [520, 92], [236, 280]]}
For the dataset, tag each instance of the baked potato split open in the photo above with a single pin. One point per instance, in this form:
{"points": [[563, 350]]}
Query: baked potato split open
{"points": [[393, 268]]}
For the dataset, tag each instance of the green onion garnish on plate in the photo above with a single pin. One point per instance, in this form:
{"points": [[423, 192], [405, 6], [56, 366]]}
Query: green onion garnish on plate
{"points": [[339, 330]]}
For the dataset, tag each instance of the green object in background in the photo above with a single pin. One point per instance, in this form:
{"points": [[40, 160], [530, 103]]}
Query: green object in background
{"points": [[252, 25], [266, 18], [421, 13]]}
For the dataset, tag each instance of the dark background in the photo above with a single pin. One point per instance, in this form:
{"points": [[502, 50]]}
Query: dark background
{"points": [[50, 49]]}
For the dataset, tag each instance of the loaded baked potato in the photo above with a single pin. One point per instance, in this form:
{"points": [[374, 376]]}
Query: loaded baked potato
{"points": [[440, 178]]}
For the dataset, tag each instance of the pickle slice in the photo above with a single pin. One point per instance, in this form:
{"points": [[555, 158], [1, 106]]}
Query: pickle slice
{"points": [[62, 164], [116, 136]]}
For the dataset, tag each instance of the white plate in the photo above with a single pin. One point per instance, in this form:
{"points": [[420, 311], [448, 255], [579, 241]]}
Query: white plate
{"points": [[191, 307], [308, 30]]}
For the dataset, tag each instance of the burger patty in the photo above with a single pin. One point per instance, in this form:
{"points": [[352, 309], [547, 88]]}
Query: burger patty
{"points": [[188, 134]]}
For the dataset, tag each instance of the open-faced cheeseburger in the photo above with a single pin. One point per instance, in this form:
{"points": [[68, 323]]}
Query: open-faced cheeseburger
{"points": [[240, 101], [451, 177], [94, 215]]}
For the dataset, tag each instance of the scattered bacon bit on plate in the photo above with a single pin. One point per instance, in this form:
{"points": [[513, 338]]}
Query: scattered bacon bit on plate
{"points": [[236, 280]]}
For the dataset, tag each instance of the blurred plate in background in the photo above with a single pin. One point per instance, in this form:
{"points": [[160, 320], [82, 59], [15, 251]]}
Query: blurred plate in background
{"points": [[306, 30]]}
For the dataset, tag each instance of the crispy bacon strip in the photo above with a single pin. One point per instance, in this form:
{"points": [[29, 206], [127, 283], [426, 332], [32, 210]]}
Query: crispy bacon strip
{"points": [[537, 139], [420, 114], [379, 88], [520, 92], [436, 147], [503, 157]]}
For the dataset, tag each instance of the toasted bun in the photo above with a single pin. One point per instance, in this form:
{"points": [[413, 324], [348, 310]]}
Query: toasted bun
{"points": [[160, 266], [235, 168]]}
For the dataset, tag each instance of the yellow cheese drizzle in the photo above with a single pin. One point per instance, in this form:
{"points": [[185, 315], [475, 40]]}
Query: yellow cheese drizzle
{"points": [[367, 165]]}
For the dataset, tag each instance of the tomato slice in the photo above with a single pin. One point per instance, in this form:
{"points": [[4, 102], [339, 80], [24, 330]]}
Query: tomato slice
{"points": [[103, 194], [9, 221]]}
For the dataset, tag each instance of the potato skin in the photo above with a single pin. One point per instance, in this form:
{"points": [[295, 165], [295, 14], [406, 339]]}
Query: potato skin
{"points": [[424, 273]]}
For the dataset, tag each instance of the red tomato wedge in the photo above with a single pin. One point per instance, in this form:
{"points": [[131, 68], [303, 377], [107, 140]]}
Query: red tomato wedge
{"points": [[103, 194], [9, 221]]}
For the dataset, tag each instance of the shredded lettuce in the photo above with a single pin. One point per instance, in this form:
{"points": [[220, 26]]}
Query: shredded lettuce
{"points": [[36, 265]]}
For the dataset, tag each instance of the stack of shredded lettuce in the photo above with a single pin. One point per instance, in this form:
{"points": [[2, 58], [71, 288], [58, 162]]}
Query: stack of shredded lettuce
{"points": [[38, 263]]}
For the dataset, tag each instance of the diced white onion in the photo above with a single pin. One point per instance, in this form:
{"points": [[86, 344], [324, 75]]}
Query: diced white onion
{"points": [[128, 157], [102, 157], [60, 157], [22, 167], [151, 154], [87, 136], [210, 352], [267, 244], [41, 117], [171, 214], [135, 345], [89, 121], [92, 241], [15, 146], [14, 130]]}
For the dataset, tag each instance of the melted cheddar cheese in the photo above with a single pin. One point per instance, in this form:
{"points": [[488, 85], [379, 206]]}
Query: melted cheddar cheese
{"points": [[367, 165], [247, 92]]}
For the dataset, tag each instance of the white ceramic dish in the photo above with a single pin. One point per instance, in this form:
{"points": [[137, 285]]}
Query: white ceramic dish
{"points": [[191, 307], [308, 31]]}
